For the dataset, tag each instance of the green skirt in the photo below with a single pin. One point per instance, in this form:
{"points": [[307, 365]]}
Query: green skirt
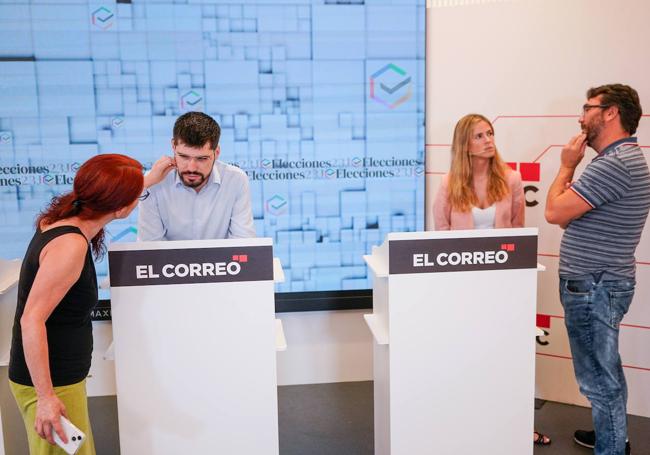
{"points": [[76, 404]]}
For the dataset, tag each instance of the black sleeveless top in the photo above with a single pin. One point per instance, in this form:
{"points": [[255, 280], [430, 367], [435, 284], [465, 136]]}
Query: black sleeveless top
{"points": [[69, 328]]}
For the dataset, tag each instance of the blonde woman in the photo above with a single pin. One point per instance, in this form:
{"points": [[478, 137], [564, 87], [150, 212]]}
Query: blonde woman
{"points": [[480, 191]]}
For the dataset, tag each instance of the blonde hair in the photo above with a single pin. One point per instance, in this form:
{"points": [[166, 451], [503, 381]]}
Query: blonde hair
{"points": [[461, 189]]}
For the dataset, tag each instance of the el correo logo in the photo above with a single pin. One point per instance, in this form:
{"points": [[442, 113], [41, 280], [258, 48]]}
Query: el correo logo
{"points": [[460, 258], [190, 265], [193, 269], [462, 254]]}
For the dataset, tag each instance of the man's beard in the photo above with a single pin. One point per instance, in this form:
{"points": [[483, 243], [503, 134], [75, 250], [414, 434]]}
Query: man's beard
{"points": [[193, 183], [593, 130]]}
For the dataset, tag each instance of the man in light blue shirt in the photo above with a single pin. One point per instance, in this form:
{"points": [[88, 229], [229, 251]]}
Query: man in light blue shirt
{"points": [[202, 198]]}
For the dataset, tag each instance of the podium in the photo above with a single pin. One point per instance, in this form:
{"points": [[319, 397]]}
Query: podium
{"points": [[9, 273], [194, 334], [454, 354]]}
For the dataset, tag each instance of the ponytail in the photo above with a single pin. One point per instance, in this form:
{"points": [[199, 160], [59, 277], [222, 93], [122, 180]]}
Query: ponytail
{"points": [[103, 184]]}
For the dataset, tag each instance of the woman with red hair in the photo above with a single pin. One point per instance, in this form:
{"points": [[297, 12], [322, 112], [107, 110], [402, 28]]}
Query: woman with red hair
{"points": [[52, 335]]}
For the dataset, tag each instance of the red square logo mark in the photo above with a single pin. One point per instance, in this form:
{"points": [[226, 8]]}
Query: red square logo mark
{"points": [[543, 321], [529, 171], [508, 246], [240, 257]]}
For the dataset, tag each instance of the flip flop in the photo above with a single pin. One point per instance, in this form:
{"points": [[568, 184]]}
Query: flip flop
{"points": [[541, 439]]}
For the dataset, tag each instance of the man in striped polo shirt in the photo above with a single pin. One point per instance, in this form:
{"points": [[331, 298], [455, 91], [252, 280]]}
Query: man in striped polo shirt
{"points": [[604, 212]]}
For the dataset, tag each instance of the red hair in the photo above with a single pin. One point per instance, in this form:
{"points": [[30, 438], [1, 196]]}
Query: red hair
{"points": [[103, 184]]}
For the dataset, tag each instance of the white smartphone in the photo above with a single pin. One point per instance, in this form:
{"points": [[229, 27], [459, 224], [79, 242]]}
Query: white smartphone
{"points": [[76, 437]]}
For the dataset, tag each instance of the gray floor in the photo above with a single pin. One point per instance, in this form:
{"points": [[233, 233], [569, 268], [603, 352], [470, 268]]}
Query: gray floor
{"points": [[560, 421], [333, 419], [328, 419]]}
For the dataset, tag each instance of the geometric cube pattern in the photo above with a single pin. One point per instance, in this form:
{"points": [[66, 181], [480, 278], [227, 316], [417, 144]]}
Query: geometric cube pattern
{"points": [[320, 102]]}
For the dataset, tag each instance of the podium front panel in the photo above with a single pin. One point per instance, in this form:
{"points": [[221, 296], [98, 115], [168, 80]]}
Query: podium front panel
{"points": [[460, 313], [195, 360]]}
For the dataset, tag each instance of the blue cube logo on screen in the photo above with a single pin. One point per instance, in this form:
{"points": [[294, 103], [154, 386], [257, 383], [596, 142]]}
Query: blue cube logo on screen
{"points": [[103, 18], [391, 86], [321, 103]]}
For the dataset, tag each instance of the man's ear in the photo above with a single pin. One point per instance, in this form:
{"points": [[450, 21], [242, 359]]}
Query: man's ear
{"points": [[612, 112], [217, 151]]}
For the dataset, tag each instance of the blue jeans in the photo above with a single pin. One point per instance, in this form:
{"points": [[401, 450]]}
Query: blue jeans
{"points": [[593, 310]]}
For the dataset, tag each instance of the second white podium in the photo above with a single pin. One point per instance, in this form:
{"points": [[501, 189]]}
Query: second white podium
{"points": [[454, 356], [195, 344]]}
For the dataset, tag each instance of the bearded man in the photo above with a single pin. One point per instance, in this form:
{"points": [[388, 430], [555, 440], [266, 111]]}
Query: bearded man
{"points": [[603, 213], [203, 198]]}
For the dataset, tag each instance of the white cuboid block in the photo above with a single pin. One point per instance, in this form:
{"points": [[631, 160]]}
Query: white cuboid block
{"points": [[195, 362], [454, 358], [9, 273]]}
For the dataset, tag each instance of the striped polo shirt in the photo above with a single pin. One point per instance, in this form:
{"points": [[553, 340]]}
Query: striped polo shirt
{"points": [[617, 185]]}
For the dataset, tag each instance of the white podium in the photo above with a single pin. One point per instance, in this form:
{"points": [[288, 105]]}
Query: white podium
{"points": [[195, 344], [454, 356], [9, 273]]}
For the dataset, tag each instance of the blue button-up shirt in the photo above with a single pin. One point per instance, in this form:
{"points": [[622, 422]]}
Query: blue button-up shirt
{"points": [[220, 210]]}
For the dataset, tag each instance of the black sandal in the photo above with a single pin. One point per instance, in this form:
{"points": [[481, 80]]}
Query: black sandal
{"points": [[541, 439]]}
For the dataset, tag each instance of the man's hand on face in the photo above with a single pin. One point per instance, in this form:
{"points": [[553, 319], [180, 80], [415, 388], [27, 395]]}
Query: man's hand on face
{"points": [[574, 151], [159, 170]]}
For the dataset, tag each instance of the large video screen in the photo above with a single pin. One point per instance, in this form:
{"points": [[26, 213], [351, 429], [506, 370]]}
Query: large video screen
{"points": [[320, 102]]}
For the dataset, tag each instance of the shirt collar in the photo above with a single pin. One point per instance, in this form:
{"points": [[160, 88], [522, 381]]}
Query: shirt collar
{"points": [[215, 176], [616, 144]]}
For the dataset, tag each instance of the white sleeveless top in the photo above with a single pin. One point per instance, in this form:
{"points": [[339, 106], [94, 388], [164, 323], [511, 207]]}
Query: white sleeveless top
{"points": [[484, 218]]}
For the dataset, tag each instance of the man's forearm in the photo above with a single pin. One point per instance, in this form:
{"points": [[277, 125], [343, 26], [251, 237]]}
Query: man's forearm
{"points": [[560, 184]]}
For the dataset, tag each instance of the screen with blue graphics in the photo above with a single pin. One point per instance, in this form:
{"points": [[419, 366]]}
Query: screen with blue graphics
{"points": [[321, 103]]}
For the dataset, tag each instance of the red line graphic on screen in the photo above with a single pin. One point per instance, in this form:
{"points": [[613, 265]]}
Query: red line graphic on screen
{"points": [[240, 257]]}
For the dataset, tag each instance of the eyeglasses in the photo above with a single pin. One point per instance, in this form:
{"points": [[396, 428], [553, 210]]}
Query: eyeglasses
{"points": [[186, 158], [144, 195], [586, 107]]}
